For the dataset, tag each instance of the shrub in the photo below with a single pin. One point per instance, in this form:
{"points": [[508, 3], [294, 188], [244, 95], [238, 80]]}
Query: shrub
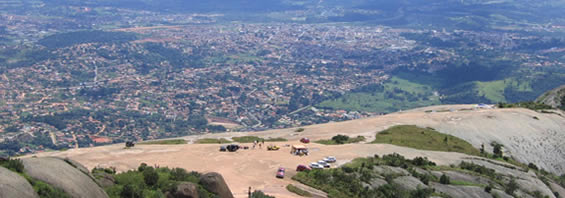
{"points": [[131, 191], [340, 139], [422, 193], [260, 194], [497, 149], [532, 166], [13, 164], [444, 179], [477, 168], [298, 191], [150, 176], [422, 161], [142, 167], [511, 187], [488, 188]]}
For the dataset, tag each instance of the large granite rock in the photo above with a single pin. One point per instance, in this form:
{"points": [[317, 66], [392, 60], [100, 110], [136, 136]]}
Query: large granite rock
{"points": [[464, 191], [14, 185], [215, 183], [64, 176], [186, 190], [409, 183], [390, 170]]}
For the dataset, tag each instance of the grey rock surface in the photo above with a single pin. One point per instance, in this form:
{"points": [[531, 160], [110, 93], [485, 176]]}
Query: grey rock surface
{"points": [[62, 175], [454, 175], [409, 183], [388, 170], [461, 191], [14, 185], [186, 190], [377, 182], [215, 183]]}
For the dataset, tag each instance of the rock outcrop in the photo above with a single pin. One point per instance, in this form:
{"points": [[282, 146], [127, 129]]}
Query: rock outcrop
{"points": [[464, 191], [186, 190], [554, 98], [215, 183], [62, 175], [409, 183], [14, 185]]}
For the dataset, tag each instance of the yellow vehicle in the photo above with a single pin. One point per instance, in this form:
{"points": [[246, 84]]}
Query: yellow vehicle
{"points": [[273, 148]]}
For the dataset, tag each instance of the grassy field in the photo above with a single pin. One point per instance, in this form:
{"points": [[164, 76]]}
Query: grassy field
{"points": [[212, 141], [349, 141], [397, 94], [424, 139], [175, 141], [298, 191], [494, 90], [250, 139]]}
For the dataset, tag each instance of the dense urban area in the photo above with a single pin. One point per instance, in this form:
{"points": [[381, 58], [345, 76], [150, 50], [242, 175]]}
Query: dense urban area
{"points": [[96, 75]]}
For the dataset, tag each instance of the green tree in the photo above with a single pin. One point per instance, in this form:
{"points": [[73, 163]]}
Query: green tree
{"points": [[444, 179], [340, 139], [150, 176], [497, 149], [131, 191]]}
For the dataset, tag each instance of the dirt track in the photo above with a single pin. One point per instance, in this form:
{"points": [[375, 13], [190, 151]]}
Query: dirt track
{"points": [[515, 128]]}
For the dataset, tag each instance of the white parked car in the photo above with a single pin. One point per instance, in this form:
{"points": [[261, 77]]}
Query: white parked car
{"points": [[330, 159], [315, 165], [324, 164]]}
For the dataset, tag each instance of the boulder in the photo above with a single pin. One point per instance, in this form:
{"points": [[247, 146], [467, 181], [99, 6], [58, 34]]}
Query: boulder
{"points": [[532, 184], [390, 170], [409, 183], [186, 190], [14, 185], [461, 191], [377, 182], [215, 183], [60, 174]]}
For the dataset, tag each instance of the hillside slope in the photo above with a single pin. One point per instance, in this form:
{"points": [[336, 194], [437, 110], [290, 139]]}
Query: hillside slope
{"points": [[554, 98]]}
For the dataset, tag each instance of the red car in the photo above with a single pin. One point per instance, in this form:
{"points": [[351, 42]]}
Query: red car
{"points": [[305, 140], [301, 168], [280, 173]]}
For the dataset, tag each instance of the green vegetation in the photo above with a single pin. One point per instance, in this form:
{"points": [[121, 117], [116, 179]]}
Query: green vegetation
{"points": [[341, 139], [149, 181], [44, 190], [73, 38], [395, 94], [15, 165], [528, 105], [347, 180], [250, 139], [212, 141], [174, 141], [444, 179], [298, 191], [424, 139], [299, 130], [260, 194]]}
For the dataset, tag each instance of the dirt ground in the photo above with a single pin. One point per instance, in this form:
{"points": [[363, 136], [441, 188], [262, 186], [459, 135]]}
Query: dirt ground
{"points": [[256, 168]]}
